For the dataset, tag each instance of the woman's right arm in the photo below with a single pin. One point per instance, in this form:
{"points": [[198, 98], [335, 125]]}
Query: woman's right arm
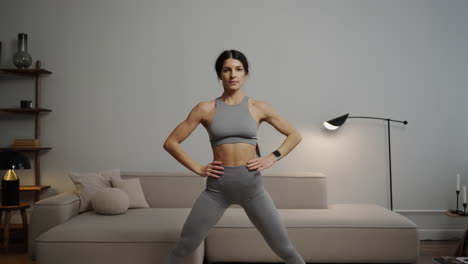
{"points": [[179, 134]]}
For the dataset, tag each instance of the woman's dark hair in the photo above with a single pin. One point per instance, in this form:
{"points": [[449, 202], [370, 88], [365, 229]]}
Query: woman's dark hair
{"points": [[237, 55]]}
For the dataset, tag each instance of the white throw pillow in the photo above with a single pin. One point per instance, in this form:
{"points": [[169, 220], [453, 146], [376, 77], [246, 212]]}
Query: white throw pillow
{"points": [[87, 184], [110, 201], [135, 193], [111, 174]]}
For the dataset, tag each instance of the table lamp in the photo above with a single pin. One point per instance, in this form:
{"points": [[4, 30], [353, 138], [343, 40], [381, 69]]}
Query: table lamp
{"points": [[11, 160], [337, 122]]}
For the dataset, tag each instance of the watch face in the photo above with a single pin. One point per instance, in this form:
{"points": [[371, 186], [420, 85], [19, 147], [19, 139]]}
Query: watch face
{"points": [[277, 154]]}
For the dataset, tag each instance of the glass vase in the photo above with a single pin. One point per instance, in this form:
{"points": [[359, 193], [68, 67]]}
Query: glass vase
{"points": [[21, 58]]}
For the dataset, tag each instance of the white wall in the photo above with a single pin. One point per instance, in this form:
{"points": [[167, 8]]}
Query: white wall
{"points": [[126, 73]]}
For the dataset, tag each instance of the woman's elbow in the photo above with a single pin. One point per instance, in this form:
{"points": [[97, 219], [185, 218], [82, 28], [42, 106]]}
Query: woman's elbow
{"points": [[167, 145], [299, 137]]}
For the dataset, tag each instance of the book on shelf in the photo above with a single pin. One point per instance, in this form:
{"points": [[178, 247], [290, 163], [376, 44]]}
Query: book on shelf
{"points": [[27, 143], [450, 260]]}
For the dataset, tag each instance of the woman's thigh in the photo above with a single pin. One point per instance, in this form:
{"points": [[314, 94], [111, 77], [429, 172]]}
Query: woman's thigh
{"points": [[263, 213], [205, 213]]}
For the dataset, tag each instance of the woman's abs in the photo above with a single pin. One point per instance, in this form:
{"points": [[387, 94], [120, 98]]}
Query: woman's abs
{"points": [[234, 154]]}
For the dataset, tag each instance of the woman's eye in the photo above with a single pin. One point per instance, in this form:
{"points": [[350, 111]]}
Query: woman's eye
{"points": [[240, 69]]}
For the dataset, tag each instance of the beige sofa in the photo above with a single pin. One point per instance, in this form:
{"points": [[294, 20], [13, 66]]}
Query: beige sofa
{"points": [[321, 232]]}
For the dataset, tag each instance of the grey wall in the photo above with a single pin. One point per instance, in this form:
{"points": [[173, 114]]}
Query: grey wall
{"points": [[125, 74]]}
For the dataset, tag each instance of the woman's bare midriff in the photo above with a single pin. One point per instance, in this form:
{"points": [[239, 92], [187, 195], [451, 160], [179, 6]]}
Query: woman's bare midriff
{"points": [[233, 154]]}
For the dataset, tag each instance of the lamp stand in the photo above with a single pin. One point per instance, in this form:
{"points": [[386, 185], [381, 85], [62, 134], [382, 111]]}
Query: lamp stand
{"points": [[390, 164]]}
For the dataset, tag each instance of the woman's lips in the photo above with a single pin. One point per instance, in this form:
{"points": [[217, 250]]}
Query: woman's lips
{"points": [[232, 82]]}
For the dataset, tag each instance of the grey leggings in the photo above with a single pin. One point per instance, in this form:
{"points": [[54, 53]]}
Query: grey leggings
{"points": [[238, 185]]}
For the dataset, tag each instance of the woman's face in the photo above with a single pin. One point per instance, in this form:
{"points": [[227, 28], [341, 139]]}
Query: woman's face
{"points": [[233, 74]]}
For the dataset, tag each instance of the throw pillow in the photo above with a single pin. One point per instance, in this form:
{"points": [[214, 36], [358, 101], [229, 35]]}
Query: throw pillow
{"points": [[110, 201], [111, 174], [135, 193], [87, 184]]}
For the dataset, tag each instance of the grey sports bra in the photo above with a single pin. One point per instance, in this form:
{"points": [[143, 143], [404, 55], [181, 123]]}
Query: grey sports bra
{"points": [[232, 124]]}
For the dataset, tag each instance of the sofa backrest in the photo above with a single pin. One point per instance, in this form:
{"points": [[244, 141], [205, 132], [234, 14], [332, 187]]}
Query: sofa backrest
{"points": [[180, 190]]}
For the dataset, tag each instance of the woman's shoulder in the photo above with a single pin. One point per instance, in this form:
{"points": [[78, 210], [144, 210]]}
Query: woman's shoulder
{"points": [[206, 106], [258, 103]]}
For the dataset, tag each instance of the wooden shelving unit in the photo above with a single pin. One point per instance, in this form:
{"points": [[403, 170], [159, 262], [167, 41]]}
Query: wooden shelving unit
{"points": [[36, 74]]}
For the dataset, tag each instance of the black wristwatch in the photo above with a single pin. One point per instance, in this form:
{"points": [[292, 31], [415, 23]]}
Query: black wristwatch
{"points": [[277, 154]]}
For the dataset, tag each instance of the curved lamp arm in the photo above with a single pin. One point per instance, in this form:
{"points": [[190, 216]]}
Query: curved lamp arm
{"points": [[337, 122], [386, 119]]}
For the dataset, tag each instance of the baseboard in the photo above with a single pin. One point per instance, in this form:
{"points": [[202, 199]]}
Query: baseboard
{"points": [[434, 234], [420, 212]]}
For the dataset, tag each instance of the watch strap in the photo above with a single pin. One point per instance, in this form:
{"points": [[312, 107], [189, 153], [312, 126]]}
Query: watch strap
{"points": [[277, 154]]}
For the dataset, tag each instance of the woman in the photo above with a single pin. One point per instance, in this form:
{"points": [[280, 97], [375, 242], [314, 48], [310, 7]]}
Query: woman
{"points": [[234, 176]]}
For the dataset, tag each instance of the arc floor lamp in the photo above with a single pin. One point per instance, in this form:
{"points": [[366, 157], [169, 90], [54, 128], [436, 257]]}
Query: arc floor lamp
{"points": [[339, 121]]}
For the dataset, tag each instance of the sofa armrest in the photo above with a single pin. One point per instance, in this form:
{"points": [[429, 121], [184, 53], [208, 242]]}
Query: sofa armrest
{"points": [[50, 212]]}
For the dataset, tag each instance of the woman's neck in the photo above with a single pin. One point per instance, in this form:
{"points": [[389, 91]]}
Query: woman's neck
{"points": [[234, 98]]}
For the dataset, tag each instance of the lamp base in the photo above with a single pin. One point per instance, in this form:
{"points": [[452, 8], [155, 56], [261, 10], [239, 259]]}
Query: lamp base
{"points": [[10, 192]]}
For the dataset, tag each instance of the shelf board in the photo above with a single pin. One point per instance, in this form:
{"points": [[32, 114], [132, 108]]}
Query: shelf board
{"points": [[25, 110], [28, 72], [12, 227], [26, 149], [32, 188]]}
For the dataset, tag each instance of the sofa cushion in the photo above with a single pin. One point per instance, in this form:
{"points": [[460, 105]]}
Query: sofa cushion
{"points": [[136, 225], [143, 236], [338, 215], [363, 233], [110, 201], [134, 191]]}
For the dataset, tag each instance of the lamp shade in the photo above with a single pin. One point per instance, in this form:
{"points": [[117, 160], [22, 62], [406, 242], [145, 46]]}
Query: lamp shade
{"points": [[336, 122], [8, 159]]}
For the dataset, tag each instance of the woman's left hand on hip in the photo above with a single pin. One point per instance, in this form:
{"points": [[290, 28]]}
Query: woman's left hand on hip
{"points": [[261, 163]]}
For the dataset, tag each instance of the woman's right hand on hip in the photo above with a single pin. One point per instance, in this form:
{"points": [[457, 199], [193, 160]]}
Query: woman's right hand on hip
{"points": [[213, 169]]}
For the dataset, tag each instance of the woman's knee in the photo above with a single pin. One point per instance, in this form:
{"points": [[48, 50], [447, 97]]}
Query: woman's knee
{"points": [[185, 247]]}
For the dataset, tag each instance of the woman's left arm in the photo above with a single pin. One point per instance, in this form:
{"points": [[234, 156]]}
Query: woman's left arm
{"points": [[293, 137]]}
